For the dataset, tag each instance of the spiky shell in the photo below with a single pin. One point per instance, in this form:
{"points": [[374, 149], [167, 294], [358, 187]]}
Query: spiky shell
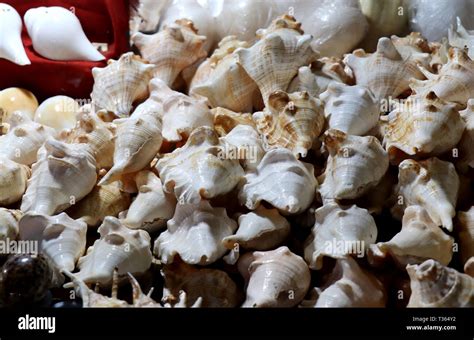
{"points": [[13, 179], [461, 38], [465, 229], [225, 120]]}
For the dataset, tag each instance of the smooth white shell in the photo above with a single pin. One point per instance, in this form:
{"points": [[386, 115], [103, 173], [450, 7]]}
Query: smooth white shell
{"points": [[58, 112], [11, 45]]}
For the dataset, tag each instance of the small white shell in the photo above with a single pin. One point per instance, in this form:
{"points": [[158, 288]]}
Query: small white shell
{"points": [[15, 99], [465, 228], [58, 112], [11, 45], [9, 219], [13, 179]]}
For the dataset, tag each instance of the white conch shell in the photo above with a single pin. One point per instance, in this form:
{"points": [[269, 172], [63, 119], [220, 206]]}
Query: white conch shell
{"points": [[348, 286], [461, 38], [102, 201], [146, 15], [281, 180], [339, 231], [225, 120], [58, 112], [434, 285], [432, 184], [465, 228], [274, 60], [423, 125], [13, 179], [275, 278], [350, 109], [226, 84], [17, 99], [420, 239], [138, 140], [355, 165], [181, 114], [247, 145], [60, 237], [11, 45], [9, 219], [439, 54], [152, 207], [262, 229], [385, 72], [63, 175], [195, 233], [414, 48], [120, 84], [291, 121], [213, 286], [23, 140], [57, 34], [118, 247], [172, 49], [200, 169], [466, 151]]}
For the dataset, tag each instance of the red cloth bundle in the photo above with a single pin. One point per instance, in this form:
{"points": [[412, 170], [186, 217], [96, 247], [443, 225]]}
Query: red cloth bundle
{"points": [[103, 21]]}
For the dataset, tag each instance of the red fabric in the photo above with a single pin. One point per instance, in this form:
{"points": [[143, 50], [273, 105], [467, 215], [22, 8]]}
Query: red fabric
{"points": [[105, 21]]}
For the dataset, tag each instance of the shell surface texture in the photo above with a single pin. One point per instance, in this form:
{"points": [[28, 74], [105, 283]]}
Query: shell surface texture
{"points": [[465, 229], [13, 180]]}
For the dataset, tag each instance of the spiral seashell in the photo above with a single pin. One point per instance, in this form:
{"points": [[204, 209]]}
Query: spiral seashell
{"points": [[413, 47], [17, 99], [420, 239], [434, 285], [461, 38], [172, 49], [58, 112], [63, 175], [350, 109], [281, 180], [439, 54], [13, 179], [225, 120], [122, 83], [275, 278], [432, 184], [355, 164], [9, 219], [11, 45], [465, 229], [291, 121], [339, 231]]}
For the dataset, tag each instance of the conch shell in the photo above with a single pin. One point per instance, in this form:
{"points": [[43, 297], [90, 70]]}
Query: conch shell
{"points": [[225, 120], [291, 121], [461, 38], [58, 112], [17, 99], [195, 233], [200, 169], [122, 83], [276, 278], [432, 184], [152, 207], [13, 178], [9, 219], [355, 165], [281, 180], [339, 231], [420, 239], [63, 175], [465, 227], [11, 45], [413, 47], [350, 109], [172, 49], [466, 151], [434, 285]]}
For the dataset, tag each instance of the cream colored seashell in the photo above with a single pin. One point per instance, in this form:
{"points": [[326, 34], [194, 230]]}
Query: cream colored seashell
{"points": [[181, 113], [13, 178], [423, 125], [348, 286], [262, 229], [244, 143], [432, 184], [434, 285], [227, 84], [122, 83], [275, 278], [102, 201], [23, 140], [146, 15], [172, 49], [17, 99], [350, 109], [138, 141], [195, 233], [152, 207], [9, 224], [291, 121], [274, 60], [420, 239], [281, 180], [139, 298], [355, 164], [213, 286], [339, 231], [58, 112], [454, 81], [461, 38], [11, 45], [465, 229], [439, 54], [225, 120], [414, 48], [465, 149], [63, 175], [199, 169], [118, 247], [60, 237], [385, 72]]}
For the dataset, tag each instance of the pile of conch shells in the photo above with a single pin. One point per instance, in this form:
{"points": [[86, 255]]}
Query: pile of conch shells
{"points": [[262, 169]]}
